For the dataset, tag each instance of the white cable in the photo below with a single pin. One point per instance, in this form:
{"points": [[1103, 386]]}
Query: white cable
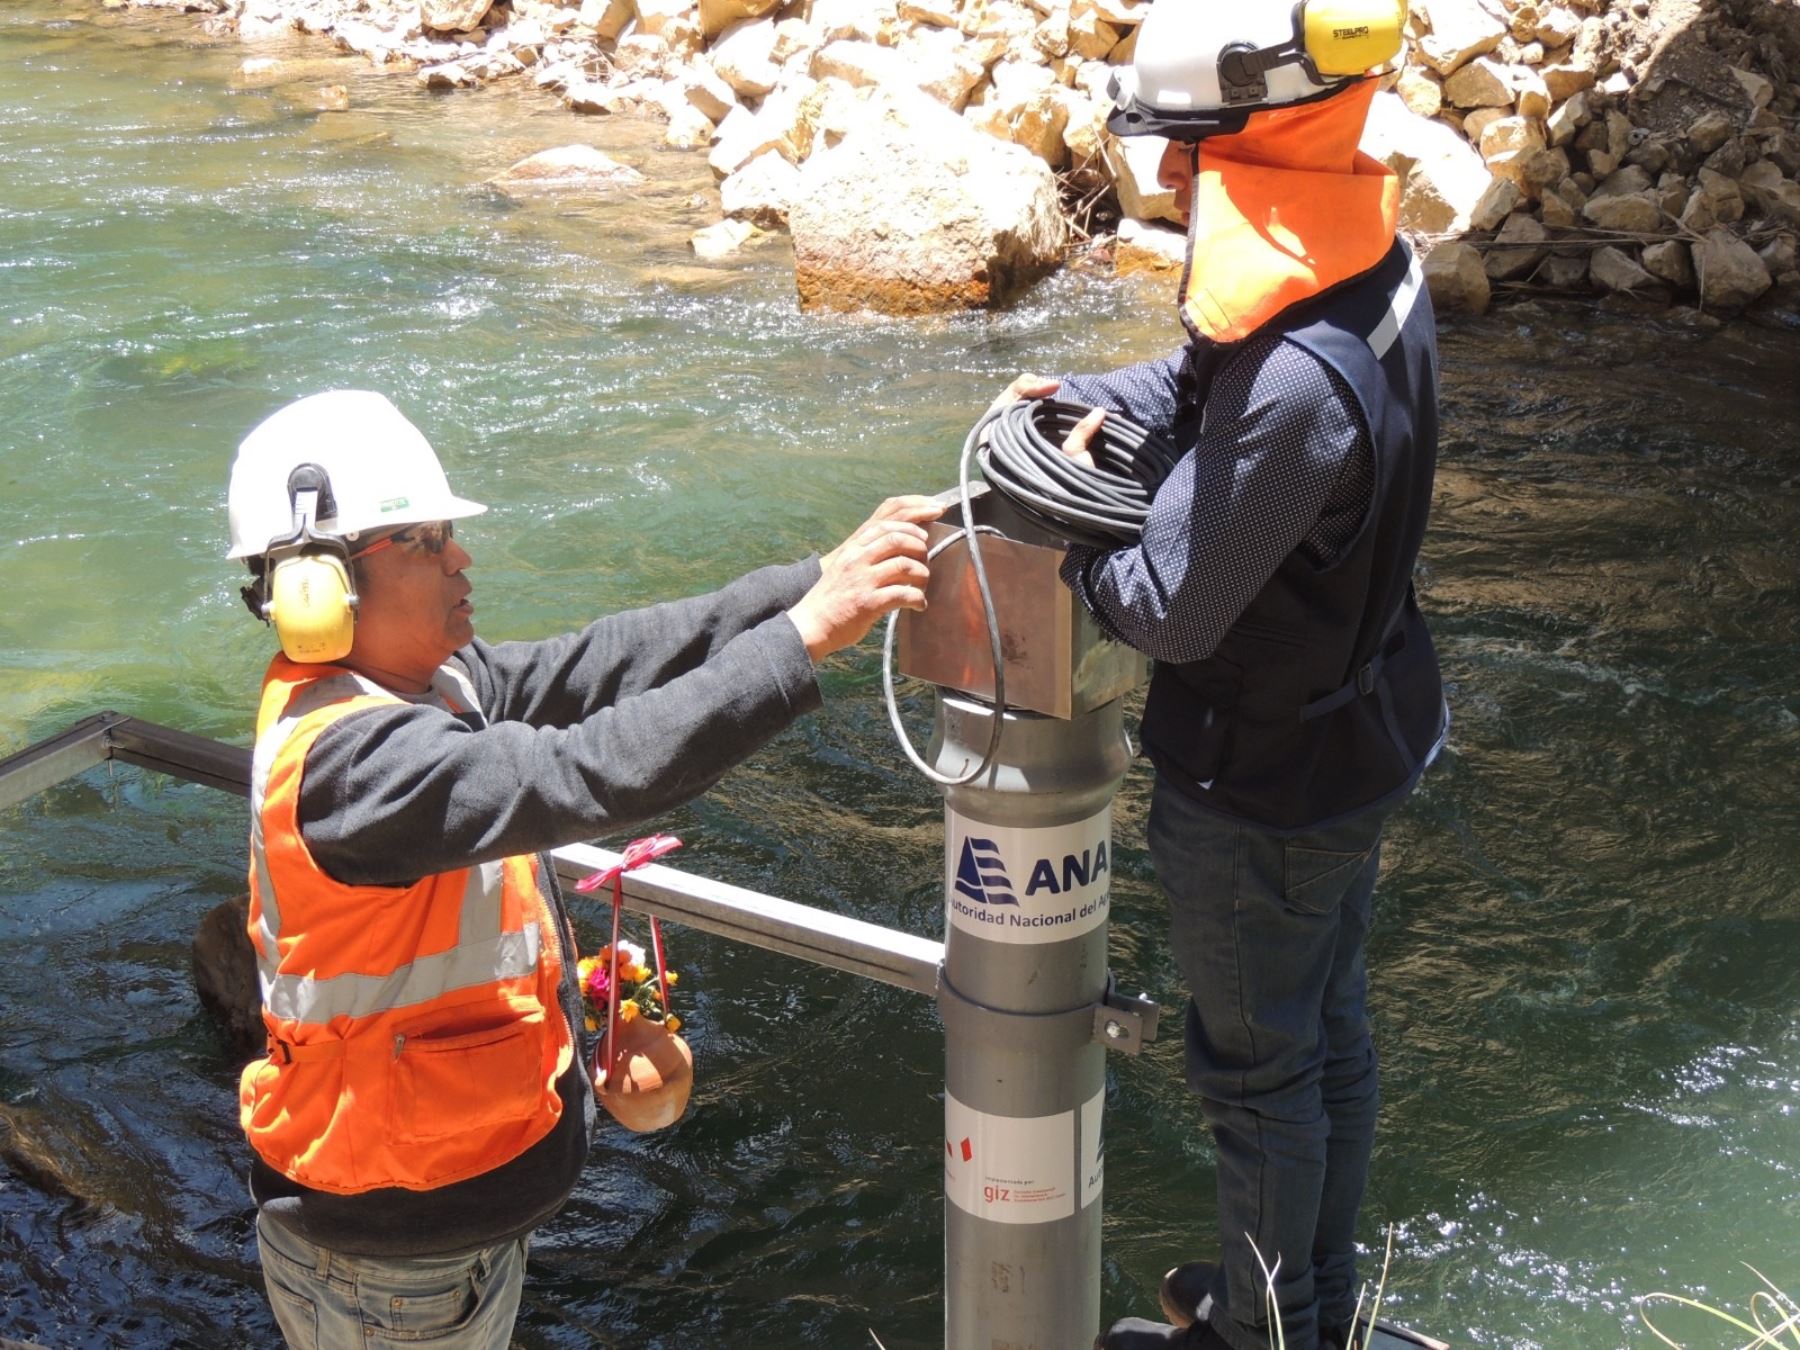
{"points": [[968, 534]]}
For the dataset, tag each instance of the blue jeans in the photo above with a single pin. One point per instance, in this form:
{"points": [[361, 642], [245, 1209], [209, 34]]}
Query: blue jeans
{"points": [[1268, 932], [325, 1300]]}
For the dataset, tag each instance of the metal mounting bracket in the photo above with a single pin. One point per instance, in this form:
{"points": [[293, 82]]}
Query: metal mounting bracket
{"points": [[1124, 1023]]}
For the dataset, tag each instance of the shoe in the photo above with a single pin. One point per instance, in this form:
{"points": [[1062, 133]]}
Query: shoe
{"points": [[1139, 1333], [1183, 1289]]}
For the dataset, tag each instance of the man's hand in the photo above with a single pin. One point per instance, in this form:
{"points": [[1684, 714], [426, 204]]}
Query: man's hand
{"points": [[879, 568], [1075, 444]]}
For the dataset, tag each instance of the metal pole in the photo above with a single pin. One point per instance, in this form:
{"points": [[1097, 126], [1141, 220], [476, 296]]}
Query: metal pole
{"points": [[1027, 878]]}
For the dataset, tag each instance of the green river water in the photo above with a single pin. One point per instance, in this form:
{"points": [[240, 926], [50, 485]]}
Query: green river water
{"points": [[1588, 938]]}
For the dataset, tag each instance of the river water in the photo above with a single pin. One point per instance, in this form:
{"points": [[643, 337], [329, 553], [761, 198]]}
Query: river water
{"points": [[1588, 929]]}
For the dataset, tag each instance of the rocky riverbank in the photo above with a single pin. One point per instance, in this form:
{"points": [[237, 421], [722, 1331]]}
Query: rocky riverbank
{"points": [[940, 154]]}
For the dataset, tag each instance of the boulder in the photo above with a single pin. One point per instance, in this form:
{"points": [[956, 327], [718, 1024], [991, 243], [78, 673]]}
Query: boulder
{"points": [[785, 123], [1724, 198], [606, 17], [567, 168], [1480, 84], [707, 92], [1570, 117], [1091, 36], [689, 128], [1420, 90], [1709, 131], [718, 15], [1460, 30], [1781, 255], [1635, 214], [1456, 279], [1565, 273], [1613, 269], [762, 191], [449, 75], [1539, 171], [1531, 96], [453, 16], [1565, 79], [859, 63], [1557, 26], [1774, 196], [1519, 247], [1510, 136], [1670, 261], [1031, 117], [1756, 87], [914, 211], [795, 42], [1730, 273], [1144, 247], [723, 239], [1495, 205], [867, 20], [1131, 163], [742, 57], [1554, 210], [1443, 176], [224, 969], [1479, 121], [1626, 182]]}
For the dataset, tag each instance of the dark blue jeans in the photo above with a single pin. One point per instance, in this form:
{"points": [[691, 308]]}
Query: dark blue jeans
{"points": [[1269, 932]]}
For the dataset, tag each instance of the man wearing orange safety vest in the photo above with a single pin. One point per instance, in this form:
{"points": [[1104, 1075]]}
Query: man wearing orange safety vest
{"points": [[424, 1102], [1296, 697]]}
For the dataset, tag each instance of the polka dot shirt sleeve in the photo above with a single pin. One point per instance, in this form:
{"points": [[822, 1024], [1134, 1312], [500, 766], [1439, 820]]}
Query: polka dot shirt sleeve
{"points": [[1282, 461]]}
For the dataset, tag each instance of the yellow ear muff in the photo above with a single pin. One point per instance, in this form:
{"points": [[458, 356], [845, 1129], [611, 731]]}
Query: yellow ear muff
{"points": [[1349, 37], [310, 604]]}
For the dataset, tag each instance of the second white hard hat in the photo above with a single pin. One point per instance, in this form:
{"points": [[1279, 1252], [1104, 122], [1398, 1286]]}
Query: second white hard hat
{"points": [[383, 472]]}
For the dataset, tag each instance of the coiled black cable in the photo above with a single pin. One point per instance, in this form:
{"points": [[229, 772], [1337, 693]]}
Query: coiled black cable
{"points": [[1104, 506]]}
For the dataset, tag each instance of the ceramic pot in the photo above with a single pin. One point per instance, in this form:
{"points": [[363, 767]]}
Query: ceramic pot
{"points": [[649, 1078]]}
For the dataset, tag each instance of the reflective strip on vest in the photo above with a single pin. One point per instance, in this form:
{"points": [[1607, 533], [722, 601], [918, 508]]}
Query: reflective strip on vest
{"points": [[301, 998], [483, 952], [1387, 332]]}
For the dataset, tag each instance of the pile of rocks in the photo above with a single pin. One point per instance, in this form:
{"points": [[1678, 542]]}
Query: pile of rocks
{"points": [[929, 154], [1635, 150]]}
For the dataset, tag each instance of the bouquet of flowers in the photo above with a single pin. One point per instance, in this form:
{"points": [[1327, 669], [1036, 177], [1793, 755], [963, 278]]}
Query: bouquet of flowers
{"points": [[643, 1071], [640, 991]]}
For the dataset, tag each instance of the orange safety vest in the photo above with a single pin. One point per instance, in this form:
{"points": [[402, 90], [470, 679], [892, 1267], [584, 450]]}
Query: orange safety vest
{"points": [[415, 1036]]}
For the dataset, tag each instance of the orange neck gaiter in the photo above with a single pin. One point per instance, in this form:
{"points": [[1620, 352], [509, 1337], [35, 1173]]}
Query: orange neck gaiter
{"points": [[1285, 209]]}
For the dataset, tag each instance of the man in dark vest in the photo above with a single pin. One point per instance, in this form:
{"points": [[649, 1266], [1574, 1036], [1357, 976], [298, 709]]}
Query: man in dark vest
{"points": [[1296, 697]]}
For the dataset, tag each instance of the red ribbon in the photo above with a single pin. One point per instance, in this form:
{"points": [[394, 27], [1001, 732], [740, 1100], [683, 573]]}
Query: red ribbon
{"points": [[637, 853]]}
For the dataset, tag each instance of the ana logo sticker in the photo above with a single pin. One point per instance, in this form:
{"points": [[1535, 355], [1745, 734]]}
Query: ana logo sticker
{"points": [[981, 873]]}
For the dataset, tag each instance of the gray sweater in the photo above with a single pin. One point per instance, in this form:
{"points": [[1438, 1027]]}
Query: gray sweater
{"points": [[594, 732]]}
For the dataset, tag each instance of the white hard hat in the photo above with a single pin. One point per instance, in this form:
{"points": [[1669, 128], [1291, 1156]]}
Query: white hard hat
{"points": [[1202, 67], [383, 472]]}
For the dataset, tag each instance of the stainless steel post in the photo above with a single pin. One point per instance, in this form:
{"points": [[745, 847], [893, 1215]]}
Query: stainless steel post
{"points": [[1027, 879]]}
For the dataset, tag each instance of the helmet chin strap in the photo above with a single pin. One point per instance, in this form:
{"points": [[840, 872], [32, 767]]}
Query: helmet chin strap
{"points": [[1187, 266]]}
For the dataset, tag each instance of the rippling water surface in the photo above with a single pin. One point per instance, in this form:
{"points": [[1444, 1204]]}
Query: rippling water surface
{"points": [[1589, 999]]}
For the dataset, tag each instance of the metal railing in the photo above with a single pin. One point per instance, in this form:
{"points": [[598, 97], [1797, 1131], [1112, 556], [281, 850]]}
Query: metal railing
{"points": [[815, 935]]}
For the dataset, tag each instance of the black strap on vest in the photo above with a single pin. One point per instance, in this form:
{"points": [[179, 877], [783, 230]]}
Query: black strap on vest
{"points": [[1361, 684]]}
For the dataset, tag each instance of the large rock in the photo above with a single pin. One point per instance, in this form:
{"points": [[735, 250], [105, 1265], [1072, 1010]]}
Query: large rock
{"points": [[1131, 162], [1613, 269], [1774, 196], [718, 15], [1460, 29], [1420, 90], [1519, 247], [1480, 84], [1670, 261], [224, 967], [914, 211], [1633, 213], [1143, 247], [762, 192], [1731, 275], [454, 16], [1442, 175], [1495, 204], [742, 57], [1456, 279], [723, 239], [567, 168]]}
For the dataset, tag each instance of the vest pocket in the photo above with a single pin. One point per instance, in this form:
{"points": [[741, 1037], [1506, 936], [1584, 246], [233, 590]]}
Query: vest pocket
{"points": [[450, 1084]]}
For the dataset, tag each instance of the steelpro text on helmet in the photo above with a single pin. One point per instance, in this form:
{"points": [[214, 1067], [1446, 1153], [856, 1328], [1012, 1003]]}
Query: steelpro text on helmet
{"points": [[1202, 69]]}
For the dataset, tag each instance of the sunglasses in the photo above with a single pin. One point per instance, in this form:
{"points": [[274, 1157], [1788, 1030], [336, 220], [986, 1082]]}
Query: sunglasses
{"points": [[428, 538]]}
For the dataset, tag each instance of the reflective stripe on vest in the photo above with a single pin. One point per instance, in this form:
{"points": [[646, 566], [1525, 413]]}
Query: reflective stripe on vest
{"points": [[483, 951], [1387, 332]]}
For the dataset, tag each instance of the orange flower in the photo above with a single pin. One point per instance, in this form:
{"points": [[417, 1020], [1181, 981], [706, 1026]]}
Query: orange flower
{"points": [[628, 1011], [674, 1024]]}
